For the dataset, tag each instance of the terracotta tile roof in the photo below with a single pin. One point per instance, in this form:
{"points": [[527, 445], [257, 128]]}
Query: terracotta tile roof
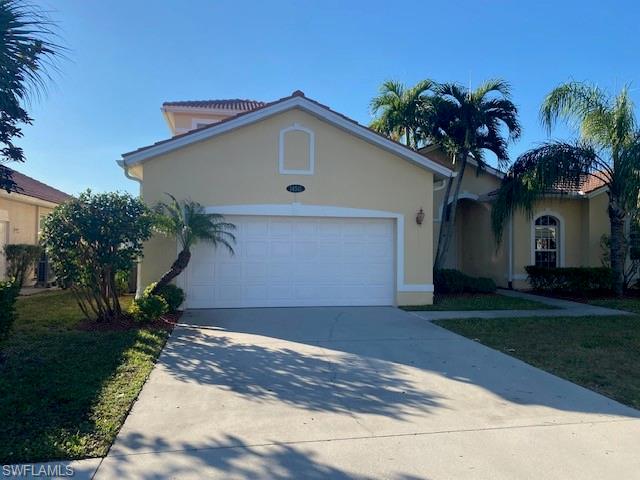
{"points": [[236, 104], [587, 185], [297, 93], [33, 188]]}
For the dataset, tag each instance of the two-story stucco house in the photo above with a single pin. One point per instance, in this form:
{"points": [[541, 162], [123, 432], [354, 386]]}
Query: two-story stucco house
{"points": [[353, 236], [350, 238], [22, 212]]}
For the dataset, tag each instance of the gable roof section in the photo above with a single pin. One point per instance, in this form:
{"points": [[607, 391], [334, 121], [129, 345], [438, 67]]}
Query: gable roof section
{"points": [[296, 100], [33, 188]]}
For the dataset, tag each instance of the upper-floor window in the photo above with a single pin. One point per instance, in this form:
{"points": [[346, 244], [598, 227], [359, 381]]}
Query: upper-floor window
{"points": [[547, 241]]}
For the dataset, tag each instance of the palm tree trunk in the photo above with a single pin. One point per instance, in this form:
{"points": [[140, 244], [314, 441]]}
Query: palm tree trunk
{"points": [[616, 219], [176, 269], [449, 220], [443, 223]]}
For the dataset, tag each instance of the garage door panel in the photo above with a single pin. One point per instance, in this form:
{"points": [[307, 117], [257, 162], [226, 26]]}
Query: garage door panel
{"points": [[287, 261]]}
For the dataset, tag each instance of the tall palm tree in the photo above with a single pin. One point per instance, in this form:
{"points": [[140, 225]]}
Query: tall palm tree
{"points": [[464, 123], [27, 51], [607, 148], [398, 108], [188, 222]]}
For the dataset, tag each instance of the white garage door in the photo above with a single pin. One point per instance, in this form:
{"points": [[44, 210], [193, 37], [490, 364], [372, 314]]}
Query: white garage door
{"points": [[296, 261]]}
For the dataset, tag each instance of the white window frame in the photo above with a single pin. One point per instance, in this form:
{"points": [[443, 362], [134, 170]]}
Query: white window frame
{"points": [[561, 229], [296, 127]]}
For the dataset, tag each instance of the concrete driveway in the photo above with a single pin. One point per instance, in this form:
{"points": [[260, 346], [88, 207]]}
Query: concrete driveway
{"points": [[360, 393]]}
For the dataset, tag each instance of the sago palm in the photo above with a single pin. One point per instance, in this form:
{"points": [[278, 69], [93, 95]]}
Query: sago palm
{"points": [[465, 123], [607, 148], [397, 108], [189, 223]]}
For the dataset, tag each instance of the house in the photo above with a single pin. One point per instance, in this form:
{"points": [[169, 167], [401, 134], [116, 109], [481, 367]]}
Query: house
{"points": [[565, 230], [350, 234], [22, 212], [352, 237]]}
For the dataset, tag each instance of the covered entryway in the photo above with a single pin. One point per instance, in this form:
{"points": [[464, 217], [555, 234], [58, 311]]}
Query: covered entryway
{"points": [[296, 261]]}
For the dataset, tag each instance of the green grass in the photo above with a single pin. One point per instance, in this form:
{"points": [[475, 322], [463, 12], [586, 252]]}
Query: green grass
{"points": [[628, 304], [64, 393], [480, 301], [599, 353]]}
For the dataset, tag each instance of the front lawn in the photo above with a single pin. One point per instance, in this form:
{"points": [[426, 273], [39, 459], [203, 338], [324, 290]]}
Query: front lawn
{"points": [[599, 353], [631, 304], [478, 301], [64, 392]]}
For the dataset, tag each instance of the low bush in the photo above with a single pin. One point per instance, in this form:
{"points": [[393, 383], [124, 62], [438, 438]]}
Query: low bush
{"points": [[148, 308], [21, 259], [8, 295], [569, 279], [454, 281], [173, 295]]}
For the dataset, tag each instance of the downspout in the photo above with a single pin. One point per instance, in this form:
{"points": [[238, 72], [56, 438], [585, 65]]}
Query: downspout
{"points": [[139, 287]]}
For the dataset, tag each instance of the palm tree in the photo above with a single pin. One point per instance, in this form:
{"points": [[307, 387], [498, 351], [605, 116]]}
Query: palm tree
{"points": [[607, 148], [188, 222], [399, 108], [27, 51], [466, 123]]}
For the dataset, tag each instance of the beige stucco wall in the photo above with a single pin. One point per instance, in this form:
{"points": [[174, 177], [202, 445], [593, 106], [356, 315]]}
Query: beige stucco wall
{"points": [[22, 225], [598, 222], [23, 220], [241, 167], [573, 234], [184, 121]]}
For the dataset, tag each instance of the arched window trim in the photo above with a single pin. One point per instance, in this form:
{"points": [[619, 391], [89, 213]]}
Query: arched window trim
{"points": [[561, 229]]}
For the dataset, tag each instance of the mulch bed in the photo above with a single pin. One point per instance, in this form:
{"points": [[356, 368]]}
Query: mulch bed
{"points": [[166, 322]]}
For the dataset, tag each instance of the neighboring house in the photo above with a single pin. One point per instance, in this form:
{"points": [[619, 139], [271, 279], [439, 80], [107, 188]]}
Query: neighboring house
{"points": [[565, 230], [22, 212], [351, 238]]}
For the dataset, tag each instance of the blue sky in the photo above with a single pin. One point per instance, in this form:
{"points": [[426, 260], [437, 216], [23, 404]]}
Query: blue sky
{"points": [[126, 57]]}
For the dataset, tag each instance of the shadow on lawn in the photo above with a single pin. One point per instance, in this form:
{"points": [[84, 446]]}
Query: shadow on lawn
{"points": [[51, 385], [224, 458]]}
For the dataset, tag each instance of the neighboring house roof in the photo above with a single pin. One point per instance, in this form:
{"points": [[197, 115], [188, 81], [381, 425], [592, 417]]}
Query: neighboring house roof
{"points": [[296, 100], [223, 104], [33, 188]]}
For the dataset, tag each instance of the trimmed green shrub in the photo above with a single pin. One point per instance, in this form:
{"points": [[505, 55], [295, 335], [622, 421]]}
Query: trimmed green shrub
{"points": [[570, 279], [8, 295], [21, 259], [172, 294], [449, 280], [148, 308]]}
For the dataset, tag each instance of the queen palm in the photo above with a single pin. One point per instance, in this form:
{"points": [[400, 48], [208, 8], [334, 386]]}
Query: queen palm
{"points": [[466, 123], [189, 223], [607, 148], [398, 108]]}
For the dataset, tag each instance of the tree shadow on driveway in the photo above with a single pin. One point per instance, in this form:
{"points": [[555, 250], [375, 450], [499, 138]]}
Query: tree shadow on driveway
{"points": [[302, 375], [225, 459]]}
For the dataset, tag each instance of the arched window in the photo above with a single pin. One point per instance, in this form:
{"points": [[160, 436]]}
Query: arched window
{"points": [[547, 241]]}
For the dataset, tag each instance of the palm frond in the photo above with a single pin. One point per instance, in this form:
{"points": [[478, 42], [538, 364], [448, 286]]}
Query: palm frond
{"points": [[551, 168]]}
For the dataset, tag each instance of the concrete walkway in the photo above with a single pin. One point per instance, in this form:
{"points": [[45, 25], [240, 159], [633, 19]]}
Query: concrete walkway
{"points": [[562, 308], [339, 393]]}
